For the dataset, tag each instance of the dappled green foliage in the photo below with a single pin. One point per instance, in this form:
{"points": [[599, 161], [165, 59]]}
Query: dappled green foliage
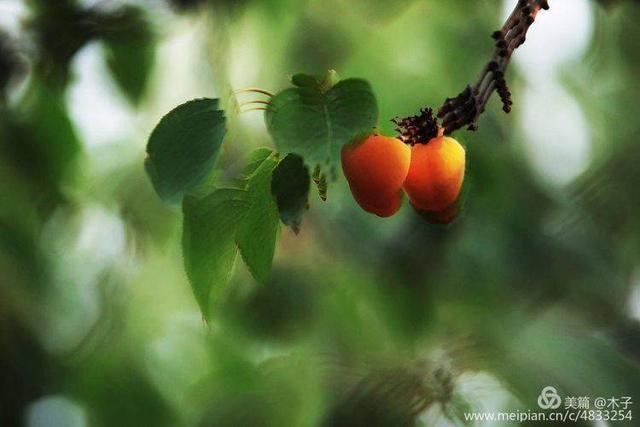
{"points": [[349, 320]]}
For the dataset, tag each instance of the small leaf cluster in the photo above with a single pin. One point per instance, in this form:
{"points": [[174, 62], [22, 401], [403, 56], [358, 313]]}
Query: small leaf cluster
{"points": [[309, 123]]}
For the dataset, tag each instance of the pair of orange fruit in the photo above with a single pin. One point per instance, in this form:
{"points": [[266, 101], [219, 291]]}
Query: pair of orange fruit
{"points": [[379, 168]]}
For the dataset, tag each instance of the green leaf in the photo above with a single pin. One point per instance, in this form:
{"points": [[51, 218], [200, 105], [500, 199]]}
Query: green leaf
{"points": [[257, 157], [41, 138], [290, 186], [130, 65], [304, 80], [316, 124], [218, 224], [208, 242], [323, 84], [257, 234], [183, 148], [129, 49]]}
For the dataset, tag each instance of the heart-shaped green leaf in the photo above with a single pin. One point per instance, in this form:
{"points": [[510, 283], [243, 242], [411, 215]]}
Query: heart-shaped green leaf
{"points": [[257, 234], [208, 242], [183, 148], [129, 49], [315, 123]]}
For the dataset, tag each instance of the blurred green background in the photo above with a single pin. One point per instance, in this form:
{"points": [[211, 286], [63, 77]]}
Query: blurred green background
{"points": [[366, 321]]}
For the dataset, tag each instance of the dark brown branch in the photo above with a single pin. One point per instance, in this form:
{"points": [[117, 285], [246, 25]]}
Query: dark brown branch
{"points": [[465, 109]]}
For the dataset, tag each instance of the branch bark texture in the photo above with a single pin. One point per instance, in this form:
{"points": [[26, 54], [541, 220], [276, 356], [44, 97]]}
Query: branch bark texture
{"points": [[465, 109]]}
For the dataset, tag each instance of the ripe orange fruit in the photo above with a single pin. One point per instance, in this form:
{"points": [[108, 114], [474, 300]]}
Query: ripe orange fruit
{"points": [[376, 168], [436, 174]]}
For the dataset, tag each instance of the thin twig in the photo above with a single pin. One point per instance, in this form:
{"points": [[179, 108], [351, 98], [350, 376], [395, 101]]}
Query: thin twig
{"points": [[254, 89], [248, 110], [257, 101]]}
